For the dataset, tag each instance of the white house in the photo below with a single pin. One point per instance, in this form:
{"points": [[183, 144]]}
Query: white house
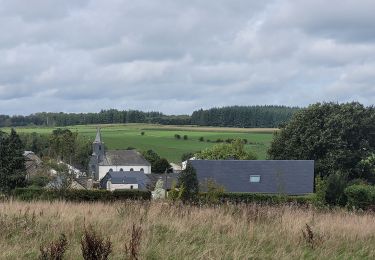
{"points": [[124, 181]]}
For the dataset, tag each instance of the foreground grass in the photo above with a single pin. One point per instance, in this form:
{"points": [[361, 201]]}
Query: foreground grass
{"points": [[184, 232], [161, 138]]}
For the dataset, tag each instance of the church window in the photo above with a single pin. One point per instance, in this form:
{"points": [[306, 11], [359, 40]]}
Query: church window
{"points": [[121, 170], [131, 187], [131, 169], [111, 170], [142, 170], [100, 147]]}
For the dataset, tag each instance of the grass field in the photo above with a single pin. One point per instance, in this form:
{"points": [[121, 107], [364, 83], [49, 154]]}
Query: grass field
{"points": [[170, 231], [161, 138]]}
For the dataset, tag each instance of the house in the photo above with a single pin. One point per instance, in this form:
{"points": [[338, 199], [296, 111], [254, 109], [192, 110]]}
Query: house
{"points": [[121, 180], [292, 177], [102, 162], [58, 184]]}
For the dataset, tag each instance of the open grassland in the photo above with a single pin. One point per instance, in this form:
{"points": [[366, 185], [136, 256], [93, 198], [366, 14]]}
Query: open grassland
{"points": [[161, 138], [170, 231]]}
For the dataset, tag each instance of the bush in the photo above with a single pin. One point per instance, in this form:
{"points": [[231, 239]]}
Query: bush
{"points": [[185, 137], [201, 139], [361, 196], [177, 136], [272, 199], [142, 133], [80, 195]]}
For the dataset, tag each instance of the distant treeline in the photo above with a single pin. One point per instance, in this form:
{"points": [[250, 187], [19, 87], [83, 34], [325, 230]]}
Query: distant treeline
{"points": [[244, 116], [235, 116]]}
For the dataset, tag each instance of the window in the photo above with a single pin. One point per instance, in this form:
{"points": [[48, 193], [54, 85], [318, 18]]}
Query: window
{"points": [[131, 187], [111, 170], [100, 147], [131, 169], [255, 178], [121, 170], [142, 170]]}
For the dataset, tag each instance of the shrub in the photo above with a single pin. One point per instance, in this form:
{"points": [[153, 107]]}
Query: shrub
{"points": [[54, 250], [177, 136], [269, 199], [93, 246], [185, 137], [29, 194], [361, 196], [142, 133], [201, 139]]}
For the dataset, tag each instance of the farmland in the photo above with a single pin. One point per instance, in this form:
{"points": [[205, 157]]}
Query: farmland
{"points": [[170, 231], [162, 138]]}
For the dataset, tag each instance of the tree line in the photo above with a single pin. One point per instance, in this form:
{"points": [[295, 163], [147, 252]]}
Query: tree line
{"points": [[244, 116], [235, 116]]}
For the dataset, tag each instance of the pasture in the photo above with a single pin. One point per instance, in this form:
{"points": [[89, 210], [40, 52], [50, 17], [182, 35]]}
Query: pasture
{"points": [[175, 231], [161, 138]]}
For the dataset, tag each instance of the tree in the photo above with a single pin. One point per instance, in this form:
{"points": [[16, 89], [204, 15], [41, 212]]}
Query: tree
{"points": [[186, 156], [233, 151], [337, 136], [12, 162], [161, 166], [188, 184]]}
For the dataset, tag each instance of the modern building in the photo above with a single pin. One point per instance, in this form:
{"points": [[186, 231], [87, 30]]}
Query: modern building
{"points": [[292, 177]]}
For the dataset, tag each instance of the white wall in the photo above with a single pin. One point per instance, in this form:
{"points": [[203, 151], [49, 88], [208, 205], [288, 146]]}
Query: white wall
{"points": [[104, 169], [112, 187]]}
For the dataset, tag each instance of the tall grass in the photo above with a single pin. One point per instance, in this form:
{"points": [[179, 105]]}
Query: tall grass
{"points": [[175, 231]]}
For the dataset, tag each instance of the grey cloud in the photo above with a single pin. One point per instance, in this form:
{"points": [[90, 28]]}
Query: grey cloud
{"points": [[177, 56]]}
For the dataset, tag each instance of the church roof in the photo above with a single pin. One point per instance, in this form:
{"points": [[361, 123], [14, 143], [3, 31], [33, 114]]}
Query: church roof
{"points": [[124, 158]]}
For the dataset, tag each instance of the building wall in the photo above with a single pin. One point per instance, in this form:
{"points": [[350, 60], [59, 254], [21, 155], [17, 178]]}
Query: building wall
{"points": [[104, 169], [112, 187]]}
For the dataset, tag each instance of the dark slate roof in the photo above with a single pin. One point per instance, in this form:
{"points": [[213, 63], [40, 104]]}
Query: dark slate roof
{"points": [[125, 158], [126, 177], [289, 177], [172, 179]]}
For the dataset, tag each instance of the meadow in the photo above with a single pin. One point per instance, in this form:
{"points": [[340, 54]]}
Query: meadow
{"points": [[161, 138], [175, 231]]}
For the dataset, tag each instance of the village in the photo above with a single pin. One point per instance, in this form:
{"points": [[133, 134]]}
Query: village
{"points": [[129, 170]]}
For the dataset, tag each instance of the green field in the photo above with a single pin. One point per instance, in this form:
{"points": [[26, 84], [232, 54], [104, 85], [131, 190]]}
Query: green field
{"points": [[161, 138]]}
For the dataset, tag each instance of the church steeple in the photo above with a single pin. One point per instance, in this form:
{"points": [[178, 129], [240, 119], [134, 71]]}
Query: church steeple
{"points": [[98, 145], [98, 138]]}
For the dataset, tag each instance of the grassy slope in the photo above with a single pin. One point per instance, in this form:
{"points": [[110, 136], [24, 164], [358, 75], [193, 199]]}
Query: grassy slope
{"points": [[183, 232], [161, 138]]}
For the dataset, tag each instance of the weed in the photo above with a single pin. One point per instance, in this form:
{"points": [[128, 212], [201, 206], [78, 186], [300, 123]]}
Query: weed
{"points": [[93, 246], [54, 250], [133, 247]]}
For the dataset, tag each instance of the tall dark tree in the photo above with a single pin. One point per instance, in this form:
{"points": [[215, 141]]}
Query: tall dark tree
{"points": [[337, 136], [12, 162], [161, 166], [188, 183]]}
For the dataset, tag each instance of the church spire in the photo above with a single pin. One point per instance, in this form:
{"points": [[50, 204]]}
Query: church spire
{"points": [[98, 138]]}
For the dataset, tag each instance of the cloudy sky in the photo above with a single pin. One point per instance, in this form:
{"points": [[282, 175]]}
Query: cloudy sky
{"points": [[177, 56]]}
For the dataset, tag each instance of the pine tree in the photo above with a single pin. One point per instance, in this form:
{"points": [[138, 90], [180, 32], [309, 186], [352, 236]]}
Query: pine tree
{"points": [[12, 162]]}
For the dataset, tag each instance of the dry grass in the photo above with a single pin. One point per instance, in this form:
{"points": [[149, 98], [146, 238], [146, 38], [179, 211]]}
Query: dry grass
{"points": [[184, 232]]}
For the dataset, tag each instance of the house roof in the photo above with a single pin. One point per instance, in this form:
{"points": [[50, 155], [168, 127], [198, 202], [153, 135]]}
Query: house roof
{"points": [[126, 177], [124, 158], [276, 176]]}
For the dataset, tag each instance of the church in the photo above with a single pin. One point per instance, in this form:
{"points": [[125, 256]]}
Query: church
{"points": [[102, 161]]}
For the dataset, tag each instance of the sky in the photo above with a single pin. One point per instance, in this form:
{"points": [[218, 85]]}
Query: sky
{"points": [[177, 56]]}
